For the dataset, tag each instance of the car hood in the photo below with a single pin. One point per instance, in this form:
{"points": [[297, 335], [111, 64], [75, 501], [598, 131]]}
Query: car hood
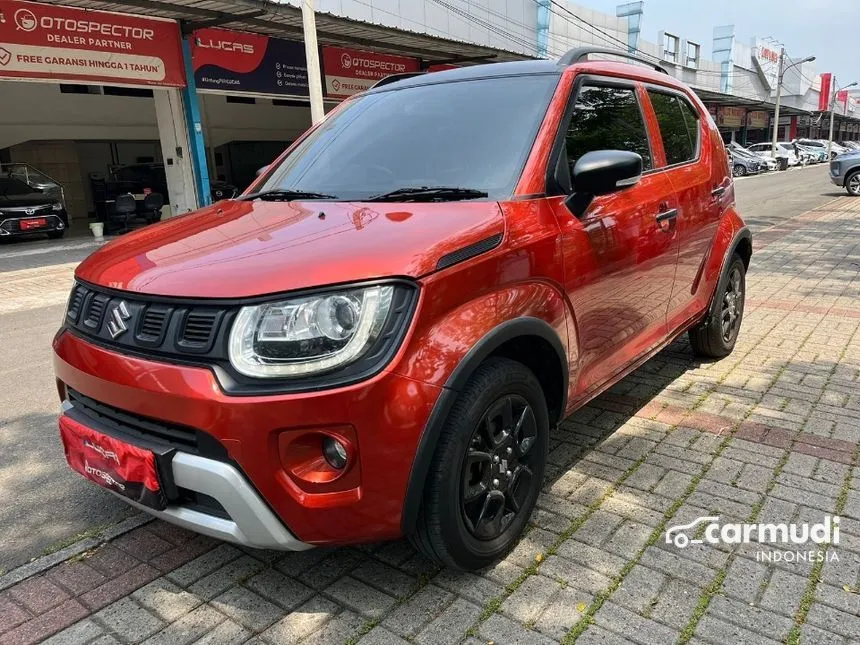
{"points": [[239, 249], [32, 199]]}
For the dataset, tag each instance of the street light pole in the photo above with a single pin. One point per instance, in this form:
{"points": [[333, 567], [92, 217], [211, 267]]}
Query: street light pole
{"points": [[776, 110], [312, 58], [779, 77], [832, 110]]}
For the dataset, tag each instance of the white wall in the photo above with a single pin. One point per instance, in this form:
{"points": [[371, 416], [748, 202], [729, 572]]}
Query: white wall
{"points": [[566, 32], [512, 23]]}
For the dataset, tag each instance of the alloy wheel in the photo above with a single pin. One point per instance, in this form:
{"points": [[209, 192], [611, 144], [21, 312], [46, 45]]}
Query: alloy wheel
{"points": [[740, 170], [733, 302], [854, 184], [498, 472]]}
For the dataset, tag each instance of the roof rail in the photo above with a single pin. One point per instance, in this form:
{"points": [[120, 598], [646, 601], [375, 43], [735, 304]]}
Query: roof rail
{"points": [[581, 53], [393, 78]]}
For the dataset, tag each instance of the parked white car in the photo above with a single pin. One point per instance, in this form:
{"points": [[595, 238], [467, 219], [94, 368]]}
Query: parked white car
{"points": [[784, 150]]}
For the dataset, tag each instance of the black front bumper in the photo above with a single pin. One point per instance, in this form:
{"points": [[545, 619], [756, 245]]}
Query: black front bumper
{"points": [[11, 224]]}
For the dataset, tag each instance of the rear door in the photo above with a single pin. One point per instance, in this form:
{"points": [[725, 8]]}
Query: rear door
{"points": [[699, 173], [619, 257]]}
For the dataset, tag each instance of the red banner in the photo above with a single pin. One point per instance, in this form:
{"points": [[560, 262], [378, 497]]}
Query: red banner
{"points": [[824, 94], [350, 71], [41, 41]]}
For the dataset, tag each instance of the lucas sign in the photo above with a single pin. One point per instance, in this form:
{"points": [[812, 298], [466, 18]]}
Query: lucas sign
{"points": [[234, 61], [40, 41]]}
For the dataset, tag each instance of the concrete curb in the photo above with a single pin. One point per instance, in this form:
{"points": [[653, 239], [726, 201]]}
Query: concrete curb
{"points": [[45, 562]]}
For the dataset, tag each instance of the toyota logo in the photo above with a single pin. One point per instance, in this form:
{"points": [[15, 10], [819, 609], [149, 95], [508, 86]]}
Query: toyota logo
{"points": [[346, 60], [26, 20], [30, 211]]}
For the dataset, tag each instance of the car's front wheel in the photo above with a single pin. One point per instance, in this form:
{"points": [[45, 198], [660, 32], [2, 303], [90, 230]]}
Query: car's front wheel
{"points": [[852, 183], [487, 469], [715, 336]]}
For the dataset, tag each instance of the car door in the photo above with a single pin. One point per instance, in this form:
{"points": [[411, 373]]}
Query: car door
{"points": [[620, 255], [700, 180]]}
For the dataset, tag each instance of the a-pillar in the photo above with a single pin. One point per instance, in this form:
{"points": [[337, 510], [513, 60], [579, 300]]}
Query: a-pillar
{"points": [[176, 150]]}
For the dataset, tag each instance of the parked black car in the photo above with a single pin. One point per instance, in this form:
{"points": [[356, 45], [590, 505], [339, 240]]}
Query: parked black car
{"points": [[139, 179], [25, 210]]}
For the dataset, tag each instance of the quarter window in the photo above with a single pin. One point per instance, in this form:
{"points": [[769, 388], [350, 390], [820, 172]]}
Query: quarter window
{"points": [[607, 118], [679, 127]]}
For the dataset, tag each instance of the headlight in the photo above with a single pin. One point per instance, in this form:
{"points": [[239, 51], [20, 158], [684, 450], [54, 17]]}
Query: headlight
{"points": [[310, 334], [56, 207]]}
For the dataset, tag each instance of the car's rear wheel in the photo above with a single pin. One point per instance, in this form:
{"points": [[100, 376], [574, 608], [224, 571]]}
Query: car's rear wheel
{"points": [[739, 170], [487, 469], [715, 337], [852, 183]]}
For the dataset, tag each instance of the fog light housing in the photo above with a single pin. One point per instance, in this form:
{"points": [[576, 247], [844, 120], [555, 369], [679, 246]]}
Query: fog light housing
{"points": [[334, 452]]}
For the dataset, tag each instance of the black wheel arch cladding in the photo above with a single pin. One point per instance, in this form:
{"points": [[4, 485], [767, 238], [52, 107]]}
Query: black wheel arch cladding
{"points": [[507, 331]]}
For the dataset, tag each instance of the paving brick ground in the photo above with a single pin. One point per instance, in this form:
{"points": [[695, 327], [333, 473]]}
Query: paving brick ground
{"points": [[769, 434]]}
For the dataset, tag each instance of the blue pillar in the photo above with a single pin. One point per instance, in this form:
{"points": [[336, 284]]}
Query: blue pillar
{"points": [[543, 12], [633, 12], [724, 54], [195, 129]]}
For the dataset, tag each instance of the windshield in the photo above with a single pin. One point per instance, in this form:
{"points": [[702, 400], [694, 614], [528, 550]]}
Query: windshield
{"points": [[10, 186], [472, 135]]}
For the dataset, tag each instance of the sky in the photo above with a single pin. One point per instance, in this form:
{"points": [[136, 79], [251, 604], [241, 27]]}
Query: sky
{"points": [[826, 29]]}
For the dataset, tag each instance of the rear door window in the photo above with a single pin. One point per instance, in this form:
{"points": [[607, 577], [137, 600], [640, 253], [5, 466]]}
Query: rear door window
{"points": [[679, 127], [607, 118]]}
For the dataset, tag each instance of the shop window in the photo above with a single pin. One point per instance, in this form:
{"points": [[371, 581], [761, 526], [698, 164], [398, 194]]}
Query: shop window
{"points": [[692, 59], [70, 88], [245, 100], [110, 90], [670, 47]]}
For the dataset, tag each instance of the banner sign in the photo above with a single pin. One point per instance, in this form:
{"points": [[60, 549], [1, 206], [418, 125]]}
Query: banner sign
{"points": [[757, 120], [767, 60], [234, 61], [40, 41], [731, 117], [350, 71], [826, 90]]}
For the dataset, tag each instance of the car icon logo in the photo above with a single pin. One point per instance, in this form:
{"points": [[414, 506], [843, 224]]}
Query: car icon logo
{"points": [[117, 323], [675, 534], [30, 211]]}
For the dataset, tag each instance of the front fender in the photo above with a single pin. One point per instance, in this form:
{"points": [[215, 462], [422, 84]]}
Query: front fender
{"points": [[447, 351]]}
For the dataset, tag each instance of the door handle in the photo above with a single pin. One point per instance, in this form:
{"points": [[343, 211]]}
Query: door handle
{"points": [[719, 191], [668, 215]]}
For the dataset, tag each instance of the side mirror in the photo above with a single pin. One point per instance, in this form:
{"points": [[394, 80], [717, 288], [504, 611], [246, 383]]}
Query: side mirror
{"points": [[602, 172], [262, 170]]}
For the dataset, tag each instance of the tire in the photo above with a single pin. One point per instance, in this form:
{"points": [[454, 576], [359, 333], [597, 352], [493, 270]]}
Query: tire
{"points": [[505, 471], [852, 183], [56, 235], [711, 338], [739, 170]]}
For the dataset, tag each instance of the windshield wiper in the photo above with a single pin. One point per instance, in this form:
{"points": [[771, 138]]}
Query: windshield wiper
{"points": [[429, 194], [281, 195]]}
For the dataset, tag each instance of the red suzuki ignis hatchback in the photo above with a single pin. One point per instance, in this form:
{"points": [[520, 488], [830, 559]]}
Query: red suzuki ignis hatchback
{"points": [[377, 338]]}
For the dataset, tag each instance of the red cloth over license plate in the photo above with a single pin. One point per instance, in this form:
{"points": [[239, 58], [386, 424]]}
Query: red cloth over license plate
{"points": [[30, 224], [114, 464]]}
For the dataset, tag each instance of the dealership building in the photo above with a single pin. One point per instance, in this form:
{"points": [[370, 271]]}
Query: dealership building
{"points": [[208, 91]]}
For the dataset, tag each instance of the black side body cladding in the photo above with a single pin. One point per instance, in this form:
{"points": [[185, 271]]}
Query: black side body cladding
{"points": [[743, 235], [524, 326]]}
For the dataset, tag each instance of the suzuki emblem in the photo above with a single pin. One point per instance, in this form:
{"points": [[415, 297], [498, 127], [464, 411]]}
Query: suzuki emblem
{"points": [[118, 316]]}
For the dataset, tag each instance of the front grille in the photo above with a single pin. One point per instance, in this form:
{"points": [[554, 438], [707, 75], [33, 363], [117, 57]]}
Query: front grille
{"points": [[198, 329], [95, 309], [152, 327], [153, 324]]}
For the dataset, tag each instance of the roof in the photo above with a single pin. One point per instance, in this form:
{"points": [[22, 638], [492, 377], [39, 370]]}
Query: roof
{"points": [[516, 68], [285, 21]]}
